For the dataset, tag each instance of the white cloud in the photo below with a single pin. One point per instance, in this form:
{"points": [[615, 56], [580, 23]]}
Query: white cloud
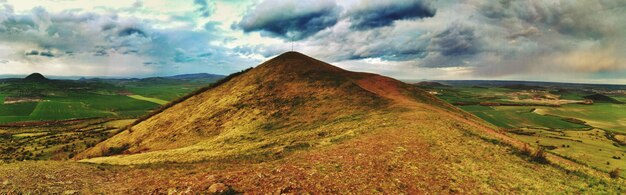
{"points": [[555, 39]]}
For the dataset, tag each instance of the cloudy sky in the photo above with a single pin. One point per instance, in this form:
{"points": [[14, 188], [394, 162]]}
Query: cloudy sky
{"points": [[550, 40]]}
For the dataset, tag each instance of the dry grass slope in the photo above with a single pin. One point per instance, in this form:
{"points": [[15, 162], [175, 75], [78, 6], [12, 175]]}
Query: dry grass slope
{"points": [[292, 101]]}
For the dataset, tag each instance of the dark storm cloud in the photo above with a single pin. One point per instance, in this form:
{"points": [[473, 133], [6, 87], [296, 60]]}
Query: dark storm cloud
{"points": [[31, 53], [131, 31], [211, 26], [291, 19], [204, 55], [400, 48], [100, 53], [108, 26], [17, 24], [205, 7], [576, 18], [39, 53], [456, 40], [548, 36], [46, 54], [183, 57], [373, 14]]}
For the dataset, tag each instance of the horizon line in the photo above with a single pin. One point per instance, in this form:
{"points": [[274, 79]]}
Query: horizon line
{"points": [[76, 77]]}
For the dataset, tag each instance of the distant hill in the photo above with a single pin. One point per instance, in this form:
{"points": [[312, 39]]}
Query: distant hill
{"points": [[599, 98], [36, 77], [554, 85], [523, 87], [430, 84], [196, 76], [176, 79]]}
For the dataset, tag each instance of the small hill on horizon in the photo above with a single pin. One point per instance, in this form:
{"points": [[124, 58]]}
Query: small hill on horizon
{"points": [[523, 87], [36, 77], [195, 76], [430, 84]]}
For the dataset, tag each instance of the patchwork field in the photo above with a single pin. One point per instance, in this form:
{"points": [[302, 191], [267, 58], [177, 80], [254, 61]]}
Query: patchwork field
{"points": [[92, 98], [520, 116], [558, 117], [75, 107], [607, 116]]}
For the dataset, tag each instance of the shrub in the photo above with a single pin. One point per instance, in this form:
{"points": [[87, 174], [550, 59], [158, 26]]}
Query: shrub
{"points": [[526, 151], [116, 150], [614, 173], [575, 121], [539, 156]]}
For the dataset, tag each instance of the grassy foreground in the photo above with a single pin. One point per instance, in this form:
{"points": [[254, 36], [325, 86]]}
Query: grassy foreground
{"points": [[442, 157]]}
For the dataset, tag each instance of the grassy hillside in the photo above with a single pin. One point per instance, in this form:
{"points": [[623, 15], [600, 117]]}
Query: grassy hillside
{"points": [[286, 102], [295, 124]]}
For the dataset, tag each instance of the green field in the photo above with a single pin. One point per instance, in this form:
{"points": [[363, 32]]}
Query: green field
{"points": [[110, 98], [57, 110], [474, 94], [607, 116], [164, 91], [620, 98], [519, 116], [75, 107], [154, 100], [21, 109]]}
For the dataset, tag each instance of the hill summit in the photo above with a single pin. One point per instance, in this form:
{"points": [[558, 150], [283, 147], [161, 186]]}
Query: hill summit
{"points": [[36, 77]]}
